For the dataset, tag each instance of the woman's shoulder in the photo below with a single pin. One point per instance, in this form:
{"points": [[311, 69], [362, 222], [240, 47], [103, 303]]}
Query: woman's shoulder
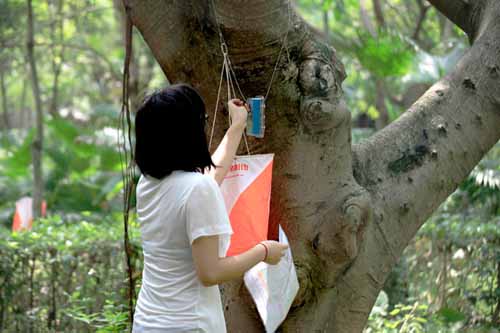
{"points": [[180, 180], [199, 180], [200, 190]]}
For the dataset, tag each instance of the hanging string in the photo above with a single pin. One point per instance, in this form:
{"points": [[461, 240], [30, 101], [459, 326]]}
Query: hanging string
{"points": [[244, 98], [232, 80], [283, 46], [234, 94], [228, 81], [231, 92], [126, 163], [231, 70], [216, 106]]}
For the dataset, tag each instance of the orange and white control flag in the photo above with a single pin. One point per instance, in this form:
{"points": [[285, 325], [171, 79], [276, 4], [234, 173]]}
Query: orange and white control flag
{"points": [[23, 217], [247, 194]]}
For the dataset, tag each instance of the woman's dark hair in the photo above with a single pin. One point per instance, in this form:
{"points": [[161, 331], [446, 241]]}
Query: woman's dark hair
{"points": [[170, 134]]}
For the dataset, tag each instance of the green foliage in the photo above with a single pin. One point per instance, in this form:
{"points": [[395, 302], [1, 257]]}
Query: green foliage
{"points": [[77, 264], [11, 16], [394, 55], [17, 160], [113, 318], [402, 319], [82, 169], [387, 54], [450, 315], [76, 253], [414, 318]]}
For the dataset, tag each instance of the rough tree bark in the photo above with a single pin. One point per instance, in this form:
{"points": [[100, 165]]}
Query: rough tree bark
{"points": [[349, 211], [5, 107], [56, 25]]}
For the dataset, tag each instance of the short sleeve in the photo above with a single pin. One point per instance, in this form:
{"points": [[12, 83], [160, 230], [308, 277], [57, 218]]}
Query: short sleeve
{"points": [[205, 211]]}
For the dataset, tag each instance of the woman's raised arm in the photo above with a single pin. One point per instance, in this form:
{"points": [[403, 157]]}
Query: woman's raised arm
{"points": [[225, 152]]}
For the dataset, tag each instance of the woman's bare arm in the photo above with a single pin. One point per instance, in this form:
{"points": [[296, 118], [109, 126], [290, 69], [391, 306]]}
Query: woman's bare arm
{"points": [[213, 270], [225, 152]]}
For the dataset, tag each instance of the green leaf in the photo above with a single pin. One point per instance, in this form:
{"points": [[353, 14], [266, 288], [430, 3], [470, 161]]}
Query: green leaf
{"points": [[395, 312], [388, 54], [63, 129], [19, 162], [450, 315]]}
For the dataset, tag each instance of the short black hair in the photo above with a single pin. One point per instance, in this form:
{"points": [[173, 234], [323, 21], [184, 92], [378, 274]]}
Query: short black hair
{"points": [[170, 132]]}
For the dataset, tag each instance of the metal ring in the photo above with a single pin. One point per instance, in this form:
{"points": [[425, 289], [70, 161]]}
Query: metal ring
{"points": [[223, 48]]}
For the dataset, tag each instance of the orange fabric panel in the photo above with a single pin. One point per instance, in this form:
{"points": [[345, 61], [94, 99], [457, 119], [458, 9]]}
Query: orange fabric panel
{"points": [[250, 214], [16, 225]]}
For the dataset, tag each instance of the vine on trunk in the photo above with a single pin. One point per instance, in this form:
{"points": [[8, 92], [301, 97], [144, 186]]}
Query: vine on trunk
{"points": [[127, 161]]}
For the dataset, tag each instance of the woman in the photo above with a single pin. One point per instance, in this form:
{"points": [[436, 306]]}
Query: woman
{"points": [[185, 229]]}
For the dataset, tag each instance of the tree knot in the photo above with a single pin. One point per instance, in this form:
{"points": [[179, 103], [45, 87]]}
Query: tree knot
{"points": [[469, 84], [339, 234]]}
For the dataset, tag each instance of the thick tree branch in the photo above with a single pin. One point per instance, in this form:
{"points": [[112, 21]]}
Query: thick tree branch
{"points": [[418, 160], [424, 8], [463, 13]]}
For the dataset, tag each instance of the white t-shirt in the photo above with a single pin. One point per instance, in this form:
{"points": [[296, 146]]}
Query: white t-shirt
{"points": [[172, 213]]}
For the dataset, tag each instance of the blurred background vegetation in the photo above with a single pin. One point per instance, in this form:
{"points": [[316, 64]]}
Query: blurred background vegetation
{"points": [[68, 275]]}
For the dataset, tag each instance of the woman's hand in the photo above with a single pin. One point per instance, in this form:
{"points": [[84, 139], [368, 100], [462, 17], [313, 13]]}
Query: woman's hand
{"points": [[238, 111], [275, 251], [212, 270]]}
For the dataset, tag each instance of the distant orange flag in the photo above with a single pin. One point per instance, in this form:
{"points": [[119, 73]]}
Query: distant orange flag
{"points": [[23, 218]]}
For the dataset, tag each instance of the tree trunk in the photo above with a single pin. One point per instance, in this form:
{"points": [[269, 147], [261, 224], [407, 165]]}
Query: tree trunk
{"points": [[349, 212], [57, 57], [495, 318], [383, 114], [379, 13], [421, 18], [443, 275], [3, 90], [24, 120], [38, 141], [326, 25]]}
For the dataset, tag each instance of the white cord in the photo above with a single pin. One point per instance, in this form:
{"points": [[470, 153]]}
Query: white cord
{"points": [[234, 94], [216, 107], [230, 92], [283, 45], [231, 78]]}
